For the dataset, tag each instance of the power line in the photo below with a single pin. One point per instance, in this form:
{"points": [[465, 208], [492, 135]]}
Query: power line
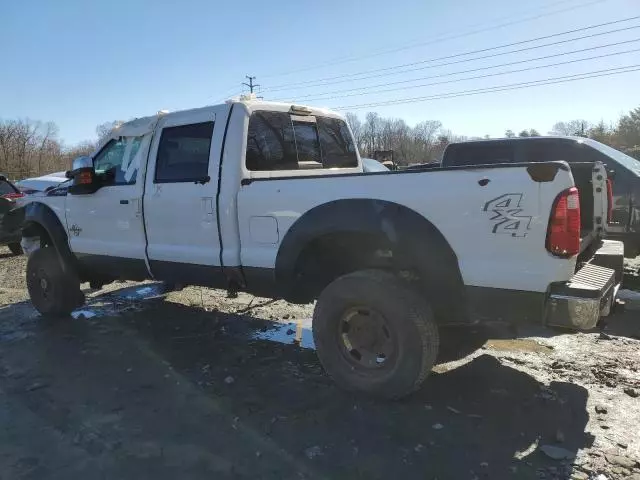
{"points": [[500, 88], [329, 96], [439, 39], [348, 77]]}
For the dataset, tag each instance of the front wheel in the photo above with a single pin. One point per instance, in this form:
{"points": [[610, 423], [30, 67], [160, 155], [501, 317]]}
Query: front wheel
{"points": [[374, 334], [54, 291], [15, 248]]}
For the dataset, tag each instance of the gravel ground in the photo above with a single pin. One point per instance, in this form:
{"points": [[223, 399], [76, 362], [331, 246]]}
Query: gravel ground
{"points": [[193, 384]]}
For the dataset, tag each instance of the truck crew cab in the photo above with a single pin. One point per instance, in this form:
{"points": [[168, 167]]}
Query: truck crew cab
{"points": [[272, 198]]}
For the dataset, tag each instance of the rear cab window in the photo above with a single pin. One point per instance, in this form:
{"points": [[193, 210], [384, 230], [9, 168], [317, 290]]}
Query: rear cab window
{"points": [[285, 142]]}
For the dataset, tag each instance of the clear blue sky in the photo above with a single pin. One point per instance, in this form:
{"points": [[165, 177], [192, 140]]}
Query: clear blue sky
{"points": [[81, 63]]}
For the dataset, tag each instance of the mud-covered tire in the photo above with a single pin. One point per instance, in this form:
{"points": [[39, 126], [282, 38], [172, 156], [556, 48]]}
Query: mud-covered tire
{"points": [[15, 248], [408, 323], [54, 291]]}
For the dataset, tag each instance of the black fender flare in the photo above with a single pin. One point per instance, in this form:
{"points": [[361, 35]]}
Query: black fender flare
{"points": [[416, 243], [36, 213]]}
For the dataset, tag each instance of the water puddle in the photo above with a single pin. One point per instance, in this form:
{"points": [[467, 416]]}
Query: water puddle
{"points": [[83, 314], [14, 336], [291, 333], [116, 302], [631, 297]]}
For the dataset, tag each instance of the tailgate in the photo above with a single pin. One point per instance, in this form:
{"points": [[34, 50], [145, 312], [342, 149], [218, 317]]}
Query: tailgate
{"points": [[591, 181]]}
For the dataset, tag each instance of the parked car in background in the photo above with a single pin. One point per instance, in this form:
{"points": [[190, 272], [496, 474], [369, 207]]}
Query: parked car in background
{"points": [[623, 172], [30, 186], [8, 189], [373, 165], [9, 233]]}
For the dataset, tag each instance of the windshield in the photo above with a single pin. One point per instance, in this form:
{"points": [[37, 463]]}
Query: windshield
{"points": [[622, 158]]}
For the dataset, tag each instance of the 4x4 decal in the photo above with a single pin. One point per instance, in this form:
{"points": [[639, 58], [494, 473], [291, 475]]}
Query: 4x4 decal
{"points": [[506, 212], [75, 230]]}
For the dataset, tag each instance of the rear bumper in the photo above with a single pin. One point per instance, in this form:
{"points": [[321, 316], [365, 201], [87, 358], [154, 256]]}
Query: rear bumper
{"points": [[589, 295]]}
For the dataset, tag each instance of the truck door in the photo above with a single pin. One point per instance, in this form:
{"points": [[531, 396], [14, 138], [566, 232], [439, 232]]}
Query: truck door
{"points": [[105, 228], [180, 197]]}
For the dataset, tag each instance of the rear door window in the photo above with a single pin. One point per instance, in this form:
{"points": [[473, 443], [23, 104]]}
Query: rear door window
{"points": [[183, 153], [280, 141]]}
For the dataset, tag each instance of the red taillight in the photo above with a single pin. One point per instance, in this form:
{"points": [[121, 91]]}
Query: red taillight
{"points": [[12, 196], [563, 233], [609, 200]]}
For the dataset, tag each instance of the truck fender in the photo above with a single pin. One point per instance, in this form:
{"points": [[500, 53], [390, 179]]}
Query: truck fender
{"points": [[38, 217], [414, 243]]}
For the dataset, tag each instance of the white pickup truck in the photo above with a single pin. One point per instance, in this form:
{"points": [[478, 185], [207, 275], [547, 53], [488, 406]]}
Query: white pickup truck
{"points": [[271, 198]]}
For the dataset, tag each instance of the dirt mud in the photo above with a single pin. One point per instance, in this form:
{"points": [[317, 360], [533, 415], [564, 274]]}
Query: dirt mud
{"points": [[141, 383]]}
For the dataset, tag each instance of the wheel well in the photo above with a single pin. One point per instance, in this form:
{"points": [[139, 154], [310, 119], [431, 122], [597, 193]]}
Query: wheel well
{"points": [[34, 229], [335, 254], [431, 270]]}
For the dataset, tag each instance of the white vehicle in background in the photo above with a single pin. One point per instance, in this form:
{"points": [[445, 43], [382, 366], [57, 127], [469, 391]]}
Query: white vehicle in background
{"points": [[372, 165], [29, 186], [274, 199]]}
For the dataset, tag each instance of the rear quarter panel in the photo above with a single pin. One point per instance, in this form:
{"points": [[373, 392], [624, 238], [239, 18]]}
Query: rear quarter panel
{"points": [[495, 219]]}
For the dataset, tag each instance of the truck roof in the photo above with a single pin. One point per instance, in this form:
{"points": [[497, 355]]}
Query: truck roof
{"points": [[524, 139], [140, 126]]}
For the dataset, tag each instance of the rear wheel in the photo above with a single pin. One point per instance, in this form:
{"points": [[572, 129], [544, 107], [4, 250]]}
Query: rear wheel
{"points": [[15, 248], [374, 334], [54, 291]]}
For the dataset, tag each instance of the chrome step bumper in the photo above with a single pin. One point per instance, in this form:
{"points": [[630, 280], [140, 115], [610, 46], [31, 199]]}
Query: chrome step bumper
{"points": [[589, 295]]}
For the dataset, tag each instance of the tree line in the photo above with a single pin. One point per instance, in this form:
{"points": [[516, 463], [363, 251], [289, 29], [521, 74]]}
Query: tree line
{"points": [[31, 148]]}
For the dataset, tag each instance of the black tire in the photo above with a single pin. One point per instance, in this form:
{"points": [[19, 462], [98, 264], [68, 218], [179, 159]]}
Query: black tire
{"points": [[409, 330], [15, 248], [54, 291]]}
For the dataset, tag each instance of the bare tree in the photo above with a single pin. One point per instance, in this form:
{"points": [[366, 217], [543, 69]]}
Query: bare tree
{"points": [[571, 128], [372, 133], [356, 128], [29, 147], [104, 129]]}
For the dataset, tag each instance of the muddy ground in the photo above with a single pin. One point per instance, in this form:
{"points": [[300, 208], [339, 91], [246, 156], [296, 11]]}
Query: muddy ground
{"points": [[197, 385]]}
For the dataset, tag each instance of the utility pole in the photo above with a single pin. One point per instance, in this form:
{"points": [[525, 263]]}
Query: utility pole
{"points": [[251, 85]]}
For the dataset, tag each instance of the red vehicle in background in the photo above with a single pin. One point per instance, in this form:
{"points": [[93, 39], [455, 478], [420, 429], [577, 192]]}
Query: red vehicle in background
{"points": [[8, 195]]}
